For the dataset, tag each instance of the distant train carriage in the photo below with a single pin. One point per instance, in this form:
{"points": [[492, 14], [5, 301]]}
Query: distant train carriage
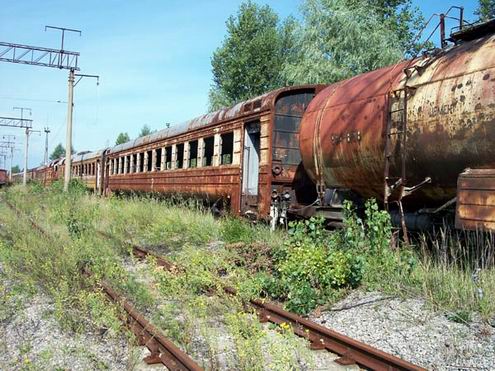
{"points": [[86, 166], [3, 177]]}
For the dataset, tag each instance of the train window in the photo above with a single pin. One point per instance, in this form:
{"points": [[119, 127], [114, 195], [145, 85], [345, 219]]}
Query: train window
{"points": [[209, 148], [193, 153], [227, 148], [180, 156], [134, 162], [289, 111], [141, 162], [168, 158], [150, 161], [128, 164], [158, 159]]}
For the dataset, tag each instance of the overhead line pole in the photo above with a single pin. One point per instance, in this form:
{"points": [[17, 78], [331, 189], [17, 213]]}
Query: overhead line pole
{"points": [[70, 108], [56, 58], [19, 123], [8, 141], [24, 177], [47, 131]]}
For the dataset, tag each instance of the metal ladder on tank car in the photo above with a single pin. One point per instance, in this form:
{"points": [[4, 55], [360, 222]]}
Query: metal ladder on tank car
{"points": [[395, 149], [396, 184]]}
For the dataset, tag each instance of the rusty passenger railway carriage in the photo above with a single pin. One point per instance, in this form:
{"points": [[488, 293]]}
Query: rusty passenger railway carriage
{"points": [[418, 136]]}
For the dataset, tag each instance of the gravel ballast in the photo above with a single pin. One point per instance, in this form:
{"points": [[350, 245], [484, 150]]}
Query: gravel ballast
{"points": [[411, 330], [31, 338]]}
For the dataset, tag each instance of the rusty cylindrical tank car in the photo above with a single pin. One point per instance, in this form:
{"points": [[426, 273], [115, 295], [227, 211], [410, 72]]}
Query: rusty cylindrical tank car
{"points": [[403, 134]]}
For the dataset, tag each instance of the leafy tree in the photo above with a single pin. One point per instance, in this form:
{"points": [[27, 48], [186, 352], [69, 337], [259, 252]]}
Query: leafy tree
{"points": [[400, 17], [122, 138], [16, 169], [486, 9], [249, 61], [145, 130], [342, 38], [59, 151]]}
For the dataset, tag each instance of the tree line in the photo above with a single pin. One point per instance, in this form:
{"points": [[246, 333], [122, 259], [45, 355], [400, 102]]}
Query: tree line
{"points": [[334, 40]]}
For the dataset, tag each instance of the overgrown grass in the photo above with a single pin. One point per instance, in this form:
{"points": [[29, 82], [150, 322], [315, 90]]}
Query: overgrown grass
{"points": [[54, 263], [304, 268]]}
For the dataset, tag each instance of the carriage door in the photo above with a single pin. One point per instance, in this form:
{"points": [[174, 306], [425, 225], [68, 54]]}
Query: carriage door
{"points": [[251, 168]]}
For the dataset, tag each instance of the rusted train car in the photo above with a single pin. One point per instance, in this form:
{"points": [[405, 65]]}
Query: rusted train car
{"points": [[239, 155], [3, 177], [86, 166]]}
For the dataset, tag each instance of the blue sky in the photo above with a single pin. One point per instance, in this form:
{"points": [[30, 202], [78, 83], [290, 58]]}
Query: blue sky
{"points": [[153, 58]]}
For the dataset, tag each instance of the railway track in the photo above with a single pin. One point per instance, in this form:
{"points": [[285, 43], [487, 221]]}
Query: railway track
{"points": [[350, 351], [161, 349]]}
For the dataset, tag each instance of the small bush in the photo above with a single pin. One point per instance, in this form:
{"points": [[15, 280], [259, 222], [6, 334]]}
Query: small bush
{"points": [[315, 265]]}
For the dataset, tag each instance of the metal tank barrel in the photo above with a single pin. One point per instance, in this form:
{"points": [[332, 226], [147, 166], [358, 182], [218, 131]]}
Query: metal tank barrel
{"points": [[444, 103]]}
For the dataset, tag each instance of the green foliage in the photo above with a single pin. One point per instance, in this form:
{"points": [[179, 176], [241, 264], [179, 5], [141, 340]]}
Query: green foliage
{"points": [[16, 169], [236, 230], [339, 39], [485, 10], [59, 152], [145, 130], [461, 316], [316, 265], [401, 17], [122, 138], [312, 266], [252, 54], [248, 339], [54, 263]]}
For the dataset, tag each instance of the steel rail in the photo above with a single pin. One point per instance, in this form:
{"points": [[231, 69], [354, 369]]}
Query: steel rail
{"points": [[162, 350], [31, 221], [351, 351]]}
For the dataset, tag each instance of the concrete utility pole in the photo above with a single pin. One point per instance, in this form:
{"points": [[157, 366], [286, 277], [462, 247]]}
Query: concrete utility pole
{"points": [[15, 122], [24, 177], [47, 131], [68, 137], [26, 149], [70, 109], [8, 143]]}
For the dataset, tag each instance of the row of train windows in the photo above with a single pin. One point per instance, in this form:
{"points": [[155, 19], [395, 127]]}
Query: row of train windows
{"points": [[139, 162], [85, 169]]}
